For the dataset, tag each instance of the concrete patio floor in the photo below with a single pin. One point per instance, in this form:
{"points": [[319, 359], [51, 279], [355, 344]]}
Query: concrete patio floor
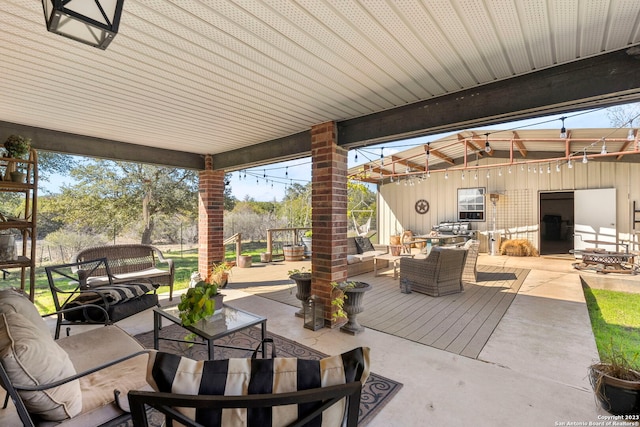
{"points": [[532, 371]]}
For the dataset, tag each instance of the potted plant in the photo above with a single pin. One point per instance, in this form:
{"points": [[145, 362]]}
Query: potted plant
{"points": [[616, 382], [219, 273], [302, 277], [349, 302], [199, 302], [16, 147]]}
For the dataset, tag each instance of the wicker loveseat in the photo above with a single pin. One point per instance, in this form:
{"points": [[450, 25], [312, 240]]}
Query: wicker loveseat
{"points": [[360, 255], [438, 274], [129, 263]]}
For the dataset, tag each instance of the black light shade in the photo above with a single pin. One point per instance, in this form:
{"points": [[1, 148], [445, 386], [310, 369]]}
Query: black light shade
{"points": [[93, 22]]}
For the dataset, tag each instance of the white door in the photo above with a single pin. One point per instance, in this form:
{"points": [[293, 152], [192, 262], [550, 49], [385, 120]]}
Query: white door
{"points": [[595, 219]]}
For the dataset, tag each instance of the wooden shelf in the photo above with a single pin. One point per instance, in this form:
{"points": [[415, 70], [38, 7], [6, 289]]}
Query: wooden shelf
{"points": [[26, 224]]}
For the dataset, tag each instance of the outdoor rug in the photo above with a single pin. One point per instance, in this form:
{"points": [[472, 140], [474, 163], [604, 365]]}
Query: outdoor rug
{"points": [[376, 393], [460, 323]]}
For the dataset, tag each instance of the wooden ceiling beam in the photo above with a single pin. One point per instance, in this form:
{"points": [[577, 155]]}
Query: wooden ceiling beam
{"points": [[518, 143]]}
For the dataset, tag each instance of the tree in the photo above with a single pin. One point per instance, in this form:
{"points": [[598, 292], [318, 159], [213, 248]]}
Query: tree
{"points": [[119, 194], [627, 115]]}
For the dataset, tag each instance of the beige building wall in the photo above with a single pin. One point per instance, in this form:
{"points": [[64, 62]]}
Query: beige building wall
{"points": [[518, 209]]}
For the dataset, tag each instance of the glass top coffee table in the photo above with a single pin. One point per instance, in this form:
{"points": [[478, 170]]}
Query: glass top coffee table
{"points": [[223, 322]]}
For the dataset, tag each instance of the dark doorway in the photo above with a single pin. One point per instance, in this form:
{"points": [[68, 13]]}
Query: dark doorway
{"points": [[556, 223]]}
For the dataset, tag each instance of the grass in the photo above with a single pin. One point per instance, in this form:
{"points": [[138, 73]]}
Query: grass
{"points": [[615, 320], [185, 263]]}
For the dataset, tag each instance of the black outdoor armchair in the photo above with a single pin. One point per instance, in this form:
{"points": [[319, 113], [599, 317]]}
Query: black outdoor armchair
{"points": [[70, 287], [312, 403]]}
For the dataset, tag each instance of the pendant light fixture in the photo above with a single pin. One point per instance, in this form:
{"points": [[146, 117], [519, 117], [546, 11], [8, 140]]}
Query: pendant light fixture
{"points": [[92, 22], [563, 130]]}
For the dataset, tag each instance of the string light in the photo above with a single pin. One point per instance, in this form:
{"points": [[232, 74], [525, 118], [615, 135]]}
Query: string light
{"points": [[487, 146], [584, 157], [569, 164], [500, 172], [446, 175], [488, 174], [630, 135], [509, 170], [381, 156], [462, 176], [356, 157], [549, 168], [604, 147], [557, 166], [428, 174], [563, 130], [475, 176]]}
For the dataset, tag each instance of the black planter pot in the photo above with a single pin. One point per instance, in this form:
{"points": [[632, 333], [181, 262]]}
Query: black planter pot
{"points": [[353, 305], [303, 285], [616, 396]]}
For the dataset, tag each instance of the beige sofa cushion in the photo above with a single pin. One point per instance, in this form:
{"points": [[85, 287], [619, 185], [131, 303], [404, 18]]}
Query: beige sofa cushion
{"points": [[31, 357], [16, 302]]}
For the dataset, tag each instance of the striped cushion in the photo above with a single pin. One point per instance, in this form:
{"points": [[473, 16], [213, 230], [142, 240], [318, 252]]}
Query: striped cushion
{"points": [[113, 294], [237, 377]]}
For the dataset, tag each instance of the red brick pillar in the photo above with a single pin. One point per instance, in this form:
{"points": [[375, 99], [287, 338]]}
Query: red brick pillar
{"points": [[210, 217], [329, 213]]}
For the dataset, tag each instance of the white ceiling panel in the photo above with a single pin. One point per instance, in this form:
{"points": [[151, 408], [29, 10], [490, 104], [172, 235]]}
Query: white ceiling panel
{"points": [[212, 76]]}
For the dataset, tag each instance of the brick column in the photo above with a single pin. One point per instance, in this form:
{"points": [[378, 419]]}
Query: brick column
{"points": [[329, 213], [210, 217]]}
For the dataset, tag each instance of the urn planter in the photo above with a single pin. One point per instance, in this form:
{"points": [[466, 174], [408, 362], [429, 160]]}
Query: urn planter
{"points": [[353, 305], [303, 289]]}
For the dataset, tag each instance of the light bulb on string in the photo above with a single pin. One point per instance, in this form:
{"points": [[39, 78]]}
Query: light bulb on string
{"points": [[569, 164], [535, 169], [549, 168], [381, 157], [487, 146], [500, 172], [462, 176], [356, 156], [488, 174], [604, 147], [630, 135], [584, 157], [563, 130], [557, 167], [475, 176], [509, 170], [528, 168], [446, 175], [286, 171]]}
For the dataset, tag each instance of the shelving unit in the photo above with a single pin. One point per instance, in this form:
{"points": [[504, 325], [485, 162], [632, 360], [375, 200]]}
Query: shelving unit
{"points": [[24, 224]]}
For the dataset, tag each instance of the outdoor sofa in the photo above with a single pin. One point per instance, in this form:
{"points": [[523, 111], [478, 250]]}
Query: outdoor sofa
{"points": [[360, 255]]}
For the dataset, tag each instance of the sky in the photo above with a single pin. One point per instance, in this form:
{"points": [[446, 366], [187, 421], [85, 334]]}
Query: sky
{"points": [[268, 183]]}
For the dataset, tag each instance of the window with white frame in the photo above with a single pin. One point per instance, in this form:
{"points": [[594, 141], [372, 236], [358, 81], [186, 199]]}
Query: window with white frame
{"points": [[471, 204]]}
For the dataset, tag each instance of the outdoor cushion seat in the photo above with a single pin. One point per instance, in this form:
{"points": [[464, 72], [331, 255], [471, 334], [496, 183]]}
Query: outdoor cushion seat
{"points": [[438, 274], [353, 259], [87, 368], [360, 255]]}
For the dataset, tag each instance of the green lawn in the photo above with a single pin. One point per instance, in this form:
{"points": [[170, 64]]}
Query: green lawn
{"points": [[615, 319], [185, 263]]}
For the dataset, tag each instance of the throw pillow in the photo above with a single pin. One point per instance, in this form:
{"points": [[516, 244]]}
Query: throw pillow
{"points": [[17, 302], [31, 358], [238, 377], [364, 245]]}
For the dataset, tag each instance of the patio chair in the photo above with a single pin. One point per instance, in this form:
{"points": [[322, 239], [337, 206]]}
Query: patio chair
{"points": [[438, 274], [470, 272], [313, 402], [70, 287]]}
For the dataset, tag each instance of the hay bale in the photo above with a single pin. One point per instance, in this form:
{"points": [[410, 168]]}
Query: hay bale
{"points": [[518, 247]]}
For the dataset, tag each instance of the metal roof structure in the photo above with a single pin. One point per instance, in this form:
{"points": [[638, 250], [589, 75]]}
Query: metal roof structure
{"points": [[466, 150], [245, 80]]}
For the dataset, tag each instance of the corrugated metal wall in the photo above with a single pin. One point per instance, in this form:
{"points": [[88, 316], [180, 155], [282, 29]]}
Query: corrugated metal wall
{"points": [[517, 211]]}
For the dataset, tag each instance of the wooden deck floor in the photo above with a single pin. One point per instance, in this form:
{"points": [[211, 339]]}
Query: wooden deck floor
{"points": [[460, 323]]}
